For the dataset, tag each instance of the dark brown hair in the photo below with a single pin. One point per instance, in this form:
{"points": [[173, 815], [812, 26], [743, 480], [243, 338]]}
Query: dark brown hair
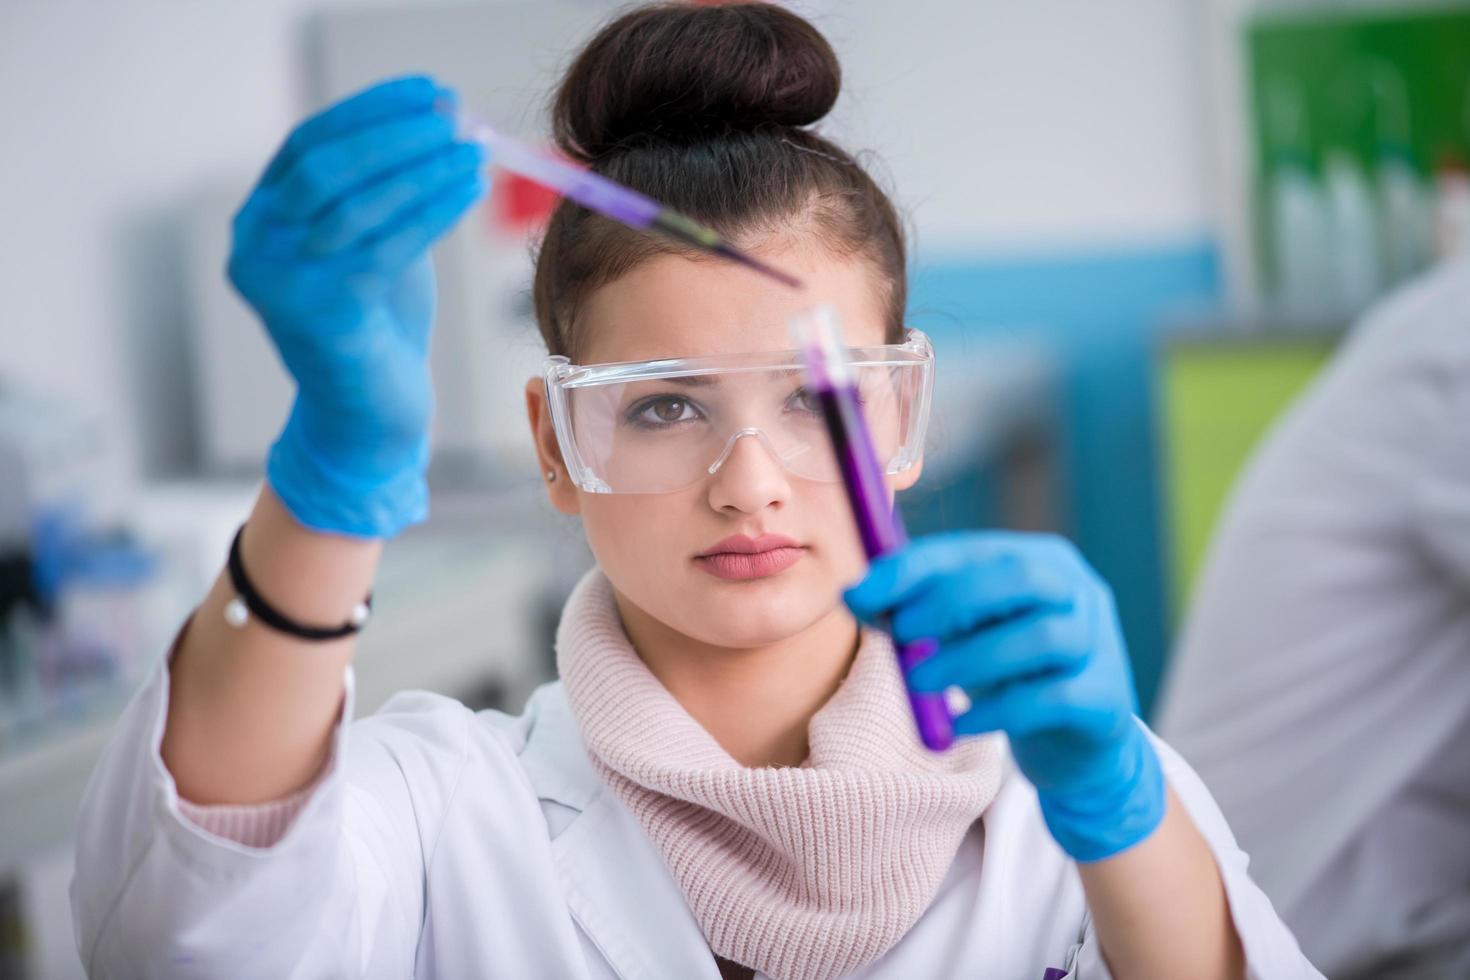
{"points": [[706, 108]]}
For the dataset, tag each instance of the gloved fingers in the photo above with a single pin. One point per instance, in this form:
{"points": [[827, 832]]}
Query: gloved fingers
{"points": [[251, 216], [1047, 703], [376, 103], [1029, 645], [1020, 708], [361, 214], [265, 267], [328, 171], [986, 574], [892, 578], [409, 234], [980, 595], [262, 246]]}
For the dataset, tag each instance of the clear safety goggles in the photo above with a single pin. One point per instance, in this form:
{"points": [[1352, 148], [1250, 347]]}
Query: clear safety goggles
{"points": [[663, 425]]}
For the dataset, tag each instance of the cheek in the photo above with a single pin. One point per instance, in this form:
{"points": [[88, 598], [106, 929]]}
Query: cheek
{"points": [[831, 526], [631, 535]]}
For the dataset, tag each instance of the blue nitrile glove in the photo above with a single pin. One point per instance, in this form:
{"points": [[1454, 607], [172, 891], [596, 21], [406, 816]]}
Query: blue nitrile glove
{"points": [[1030, 633], [331, 250]]}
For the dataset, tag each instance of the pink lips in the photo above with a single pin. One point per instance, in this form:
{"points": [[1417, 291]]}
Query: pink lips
{"points": [[739, 557]]}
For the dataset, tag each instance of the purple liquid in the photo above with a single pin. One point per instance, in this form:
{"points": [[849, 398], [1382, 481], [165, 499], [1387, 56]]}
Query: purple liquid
{"points": [[599, 194], [882, 532]]}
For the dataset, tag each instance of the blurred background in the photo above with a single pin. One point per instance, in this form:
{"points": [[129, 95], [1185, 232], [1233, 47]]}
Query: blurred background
{"points": [[1140, 227]]}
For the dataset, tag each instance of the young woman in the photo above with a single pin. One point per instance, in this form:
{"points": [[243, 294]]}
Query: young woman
{"points": [[725, 781]]}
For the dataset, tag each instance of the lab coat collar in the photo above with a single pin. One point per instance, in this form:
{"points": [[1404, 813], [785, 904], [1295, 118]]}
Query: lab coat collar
{"points": [[555, 756], [618, 886]]}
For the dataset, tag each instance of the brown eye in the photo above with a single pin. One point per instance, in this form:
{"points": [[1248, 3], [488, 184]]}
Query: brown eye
{"points": [[805, 400], [664, 410], [669, 409]]}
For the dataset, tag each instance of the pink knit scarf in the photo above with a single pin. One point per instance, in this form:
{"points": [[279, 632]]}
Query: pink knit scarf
{"points": [[803, 873]]}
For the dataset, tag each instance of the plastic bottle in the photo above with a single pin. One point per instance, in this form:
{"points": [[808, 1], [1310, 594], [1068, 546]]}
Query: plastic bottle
{"points": [[1405, 211], [1296, 212], [1356, 277]]}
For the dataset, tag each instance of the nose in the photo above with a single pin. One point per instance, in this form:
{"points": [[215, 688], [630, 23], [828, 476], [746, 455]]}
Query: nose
{"points": [[749, 475]]}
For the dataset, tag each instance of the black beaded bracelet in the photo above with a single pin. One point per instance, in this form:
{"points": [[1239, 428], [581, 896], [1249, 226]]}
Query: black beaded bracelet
{"points": [[247, 602]]}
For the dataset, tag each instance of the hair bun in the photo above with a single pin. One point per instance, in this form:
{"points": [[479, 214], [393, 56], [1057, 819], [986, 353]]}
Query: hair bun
{"points": [[682, 72]]}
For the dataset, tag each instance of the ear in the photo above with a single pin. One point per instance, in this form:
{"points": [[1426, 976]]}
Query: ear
{"points": [[902, 481], [559, 489]]}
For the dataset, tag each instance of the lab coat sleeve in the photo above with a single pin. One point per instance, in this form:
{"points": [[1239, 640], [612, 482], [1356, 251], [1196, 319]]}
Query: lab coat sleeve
{"points": [[1442, 491], [1271, 951], [341, 894], [259, 824]]}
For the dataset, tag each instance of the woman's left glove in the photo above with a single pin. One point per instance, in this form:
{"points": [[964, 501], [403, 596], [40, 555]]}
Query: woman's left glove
{"points": [[1029, 631]]}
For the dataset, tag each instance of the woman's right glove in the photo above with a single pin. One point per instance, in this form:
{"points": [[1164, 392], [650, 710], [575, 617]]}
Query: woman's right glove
{"points": [[331, 250]]}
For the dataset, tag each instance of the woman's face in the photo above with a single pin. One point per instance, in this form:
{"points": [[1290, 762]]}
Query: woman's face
{"points": [[664, 552]]}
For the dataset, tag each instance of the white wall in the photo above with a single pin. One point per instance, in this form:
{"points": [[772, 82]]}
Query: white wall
{"points": [[111, 113], [1023, 125]]}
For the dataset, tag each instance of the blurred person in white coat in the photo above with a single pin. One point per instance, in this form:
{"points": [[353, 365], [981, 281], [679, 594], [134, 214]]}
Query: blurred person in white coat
{"points": [[1322, 684]]}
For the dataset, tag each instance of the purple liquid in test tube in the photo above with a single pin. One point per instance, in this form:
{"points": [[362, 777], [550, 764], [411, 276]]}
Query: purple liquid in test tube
{"points": [[819, 338]]}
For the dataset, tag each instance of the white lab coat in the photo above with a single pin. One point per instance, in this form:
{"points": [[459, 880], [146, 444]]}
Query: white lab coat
{"points": [[453, 844], [1322, 685]]}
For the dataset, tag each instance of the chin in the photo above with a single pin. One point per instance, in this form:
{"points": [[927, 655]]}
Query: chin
{"points": [[754, 612], [742, 632]]}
